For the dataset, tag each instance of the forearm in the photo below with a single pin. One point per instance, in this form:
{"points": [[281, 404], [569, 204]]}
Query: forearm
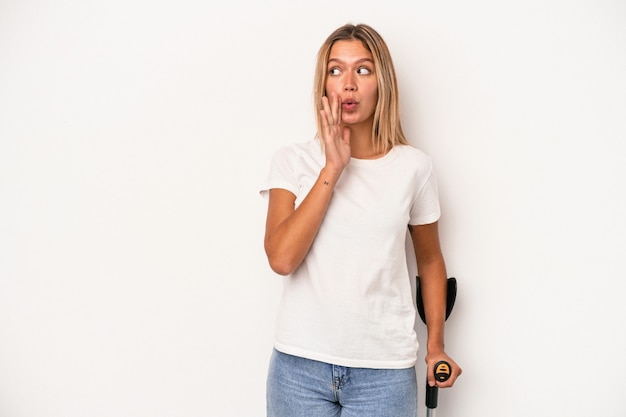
{"points": [[289, 239], [433, 284]]}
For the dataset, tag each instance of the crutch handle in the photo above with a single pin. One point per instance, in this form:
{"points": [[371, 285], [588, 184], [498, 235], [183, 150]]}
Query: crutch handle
{"points": [[442, 373]]}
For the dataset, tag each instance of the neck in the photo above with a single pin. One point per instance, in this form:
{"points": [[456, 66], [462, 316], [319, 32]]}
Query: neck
{"points": [[361, 145]]}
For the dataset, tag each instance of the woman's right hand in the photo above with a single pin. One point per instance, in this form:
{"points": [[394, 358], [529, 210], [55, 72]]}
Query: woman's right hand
{"points": [[335, 136], [290, 231]]}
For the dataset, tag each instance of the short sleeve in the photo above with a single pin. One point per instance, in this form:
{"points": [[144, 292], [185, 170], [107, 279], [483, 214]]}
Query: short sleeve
{"points": [[281, 174], [425, 208]]}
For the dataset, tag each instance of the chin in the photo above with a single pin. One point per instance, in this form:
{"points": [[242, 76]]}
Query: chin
{"points": [[351, 119]]}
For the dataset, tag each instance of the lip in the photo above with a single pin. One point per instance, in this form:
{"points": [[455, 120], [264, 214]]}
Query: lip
{"points": [[349, 104]]}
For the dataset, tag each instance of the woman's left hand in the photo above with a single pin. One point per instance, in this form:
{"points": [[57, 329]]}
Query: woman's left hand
{"points": [[431, 360]]}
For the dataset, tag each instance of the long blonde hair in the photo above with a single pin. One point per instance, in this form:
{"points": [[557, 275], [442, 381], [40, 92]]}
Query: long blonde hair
{"points": [[386, 129]]}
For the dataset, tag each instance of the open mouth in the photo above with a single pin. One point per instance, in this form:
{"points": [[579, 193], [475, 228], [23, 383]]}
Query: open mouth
{"points": [[349, 105]]}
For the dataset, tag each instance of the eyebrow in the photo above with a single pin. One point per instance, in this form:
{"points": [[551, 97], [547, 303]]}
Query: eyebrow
{"points": [[358, 61]]}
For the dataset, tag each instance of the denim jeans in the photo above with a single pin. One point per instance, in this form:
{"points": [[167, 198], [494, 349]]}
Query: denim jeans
{"points": [[298, 387]]}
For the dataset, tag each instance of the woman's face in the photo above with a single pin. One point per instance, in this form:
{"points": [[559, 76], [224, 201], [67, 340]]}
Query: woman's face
{"points": [[351, 76]]}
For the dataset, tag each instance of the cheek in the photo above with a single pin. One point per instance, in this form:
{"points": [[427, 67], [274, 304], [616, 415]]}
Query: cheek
{"points": [[374, 91], [372, 96], [330, 86]]}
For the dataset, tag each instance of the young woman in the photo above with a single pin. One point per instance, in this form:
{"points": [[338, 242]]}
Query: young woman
{"points": [[338, 211]]}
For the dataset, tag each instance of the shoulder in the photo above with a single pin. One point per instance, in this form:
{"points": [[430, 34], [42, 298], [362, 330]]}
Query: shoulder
{"points": [[414, 156], [309, 150]]}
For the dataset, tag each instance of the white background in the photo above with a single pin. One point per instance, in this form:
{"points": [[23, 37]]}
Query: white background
{"points": [[134, 135]]}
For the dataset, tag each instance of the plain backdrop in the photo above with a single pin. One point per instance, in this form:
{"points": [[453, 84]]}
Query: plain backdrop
{"points": [[134, 136]]}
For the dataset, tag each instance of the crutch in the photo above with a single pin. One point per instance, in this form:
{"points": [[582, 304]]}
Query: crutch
{"points": [[442, 369]]}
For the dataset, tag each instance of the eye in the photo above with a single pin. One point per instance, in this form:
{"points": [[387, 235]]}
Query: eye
{"points": [[363, 71], [334, 71]]}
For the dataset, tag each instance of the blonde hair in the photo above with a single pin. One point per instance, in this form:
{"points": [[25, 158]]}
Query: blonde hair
{"points": [[386, 129]]}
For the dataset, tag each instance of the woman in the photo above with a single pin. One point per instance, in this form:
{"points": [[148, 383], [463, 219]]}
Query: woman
{"points": [[338, 210]]}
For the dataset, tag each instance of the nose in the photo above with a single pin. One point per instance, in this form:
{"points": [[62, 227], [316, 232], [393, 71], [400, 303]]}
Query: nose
{"points": [[349, 84]]}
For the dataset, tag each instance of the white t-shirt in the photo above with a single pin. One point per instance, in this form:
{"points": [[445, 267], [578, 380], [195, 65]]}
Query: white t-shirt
{"points": [[350, 302]]}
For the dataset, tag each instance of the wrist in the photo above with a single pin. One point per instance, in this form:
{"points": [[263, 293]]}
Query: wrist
{"points": [[435, 345], [329, 175], [435, 350]]}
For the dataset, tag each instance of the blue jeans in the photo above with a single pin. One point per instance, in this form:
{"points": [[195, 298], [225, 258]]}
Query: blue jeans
{"points": [[298, 387]]}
